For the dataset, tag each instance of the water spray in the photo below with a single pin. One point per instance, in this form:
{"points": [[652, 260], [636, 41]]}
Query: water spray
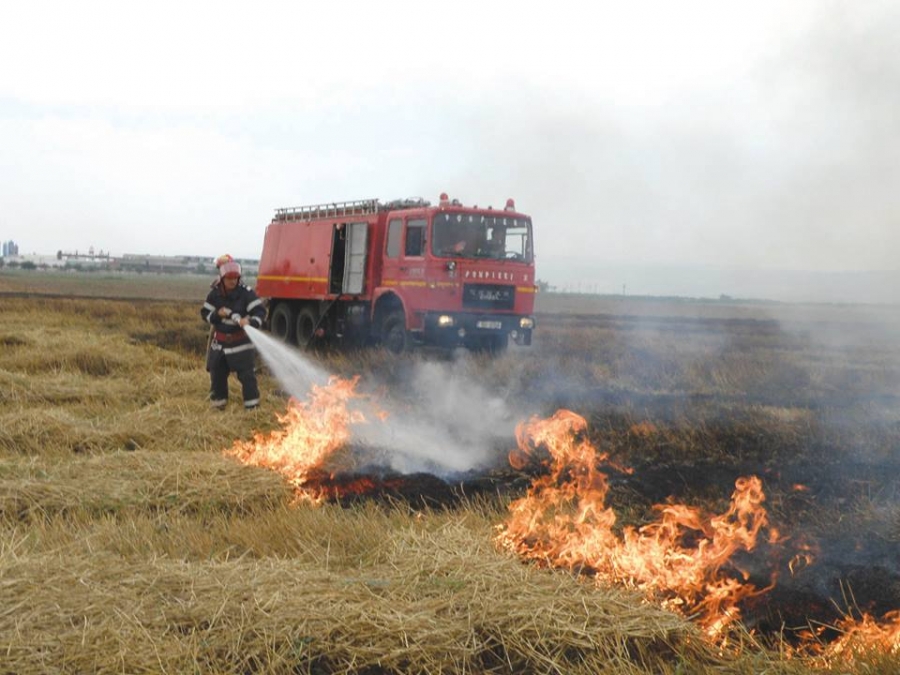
{"points": [[443, 437]]}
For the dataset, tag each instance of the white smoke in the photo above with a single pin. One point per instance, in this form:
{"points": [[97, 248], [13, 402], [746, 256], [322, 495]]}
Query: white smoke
{"points": [[451, 426], [445, 424]]}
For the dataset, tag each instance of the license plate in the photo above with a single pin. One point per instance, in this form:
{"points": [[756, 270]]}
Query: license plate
{"points": [[491, 325]]}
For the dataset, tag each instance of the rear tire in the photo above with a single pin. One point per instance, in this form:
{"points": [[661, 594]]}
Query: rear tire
{"points": [[281, 322], [307, 318], [394, 336]]}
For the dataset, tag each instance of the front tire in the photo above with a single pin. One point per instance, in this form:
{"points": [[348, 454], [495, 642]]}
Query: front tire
{"points": [[394, 336]]}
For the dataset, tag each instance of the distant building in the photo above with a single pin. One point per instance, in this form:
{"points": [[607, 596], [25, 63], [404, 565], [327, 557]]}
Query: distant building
{"points": [[91, 259], [10, 248], [174, 264], [156, 263], [129, 262]]}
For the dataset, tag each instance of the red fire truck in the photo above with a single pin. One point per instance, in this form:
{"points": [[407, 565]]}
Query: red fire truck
{"points": [[401, 273]]}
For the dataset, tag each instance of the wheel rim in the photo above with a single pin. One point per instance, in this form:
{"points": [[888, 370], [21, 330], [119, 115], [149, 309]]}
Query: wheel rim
{"points": [[305, 328], [281, 326], [394, 338]]}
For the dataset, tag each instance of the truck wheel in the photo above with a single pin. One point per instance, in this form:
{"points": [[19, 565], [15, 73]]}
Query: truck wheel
{"points": [[306, 326], [394, 335], [282, 322]]}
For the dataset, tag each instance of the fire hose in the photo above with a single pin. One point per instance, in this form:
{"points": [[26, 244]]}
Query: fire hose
{"points": [[234, 316]]}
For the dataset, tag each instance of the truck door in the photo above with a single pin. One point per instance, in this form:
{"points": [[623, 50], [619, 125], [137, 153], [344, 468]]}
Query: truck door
{"points": [[348, 258], [393, 245], [355, 258], [404, 261]]}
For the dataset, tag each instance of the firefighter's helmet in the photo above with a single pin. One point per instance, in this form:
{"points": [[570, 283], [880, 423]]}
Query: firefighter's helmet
{"points": [[230, 269], [222, 259]]}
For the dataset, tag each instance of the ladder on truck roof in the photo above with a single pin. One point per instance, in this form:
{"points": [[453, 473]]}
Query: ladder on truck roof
{"points": [[359, 207]]}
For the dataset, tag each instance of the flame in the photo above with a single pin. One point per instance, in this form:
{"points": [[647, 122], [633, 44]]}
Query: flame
{"points": [[865, 636], [857, 638], [683, 560], [311, 439], [643, 429], [806, 555]]}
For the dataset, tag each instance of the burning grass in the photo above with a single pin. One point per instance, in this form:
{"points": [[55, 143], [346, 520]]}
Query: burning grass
{"points": [[677, 559], [131, 543]]}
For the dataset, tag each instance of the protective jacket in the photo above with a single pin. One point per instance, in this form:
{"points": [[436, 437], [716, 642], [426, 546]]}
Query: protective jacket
{"points": [[229, 338]]}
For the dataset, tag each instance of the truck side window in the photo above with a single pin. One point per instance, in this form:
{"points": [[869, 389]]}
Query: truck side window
{"points": [[415, 238], [395, 230]]}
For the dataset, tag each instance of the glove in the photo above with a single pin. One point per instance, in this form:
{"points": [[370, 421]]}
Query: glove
{"points": [[236, 318]]}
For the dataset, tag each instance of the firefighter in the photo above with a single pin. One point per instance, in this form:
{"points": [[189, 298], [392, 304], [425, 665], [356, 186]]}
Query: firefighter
{"points": [[231, 306], [493, 247], [221, 260]]}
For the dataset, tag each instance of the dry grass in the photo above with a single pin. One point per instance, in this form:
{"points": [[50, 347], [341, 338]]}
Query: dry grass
{"points": [[130, 544], [101, 284], [427, 600]]}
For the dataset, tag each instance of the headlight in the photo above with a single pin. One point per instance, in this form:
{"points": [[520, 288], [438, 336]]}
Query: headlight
{"points": [[445, 321], [526, 322]]}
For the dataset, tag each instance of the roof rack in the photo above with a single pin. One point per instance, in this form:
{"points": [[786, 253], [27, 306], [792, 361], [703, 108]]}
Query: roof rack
{"points": [[359, 207], [408, 203]]}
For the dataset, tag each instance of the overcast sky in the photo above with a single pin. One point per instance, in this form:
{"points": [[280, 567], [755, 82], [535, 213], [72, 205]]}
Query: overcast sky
{"points": [[754, 136]]}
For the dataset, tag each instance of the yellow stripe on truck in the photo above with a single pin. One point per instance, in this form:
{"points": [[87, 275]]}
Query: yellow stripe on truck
{"points": [[394, 282], [293, 280]]}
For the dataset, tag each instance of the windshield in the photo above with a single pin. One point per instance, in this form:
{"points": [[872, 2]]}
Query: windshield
{"points": [[477, 235]]}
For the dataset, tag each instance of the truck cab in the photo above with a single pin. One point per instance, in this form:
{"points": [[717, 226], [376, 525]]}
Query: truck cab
{"points": [[464, 275]]}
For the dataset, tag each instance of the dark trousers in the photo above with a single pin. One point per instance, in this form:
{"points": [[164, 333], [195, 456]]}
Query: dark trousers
{"points": [[221, 365]]}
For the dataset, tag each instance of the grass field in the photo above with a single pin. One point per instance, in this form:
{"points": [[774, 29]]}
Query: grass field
{"points": [[133, 543]]}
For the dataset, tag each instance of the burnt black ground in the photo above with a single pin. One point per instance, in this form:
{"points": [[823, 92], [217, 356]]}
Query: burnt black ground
{"points": [[817, 419], [833, 491]]}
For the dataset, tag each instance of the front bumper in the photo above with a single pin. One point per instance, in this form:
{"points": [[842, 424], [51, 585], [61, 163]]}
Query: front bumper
{"points": [[451, 329]]}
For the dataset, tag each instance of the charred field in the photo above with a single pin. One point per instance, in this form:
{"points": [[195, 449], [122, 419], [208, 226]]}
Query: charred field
{"points": [[133, 542]]}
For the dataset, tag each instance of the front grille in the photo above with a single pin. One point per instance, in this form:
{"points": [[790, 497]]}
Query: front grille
{"points": [[489, 296]]}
